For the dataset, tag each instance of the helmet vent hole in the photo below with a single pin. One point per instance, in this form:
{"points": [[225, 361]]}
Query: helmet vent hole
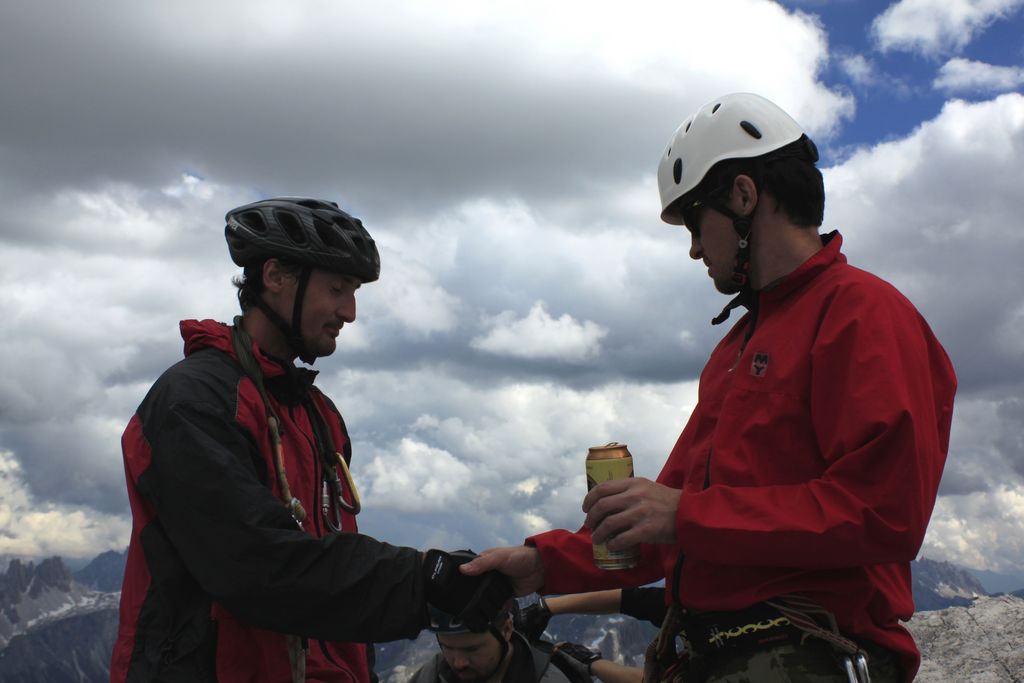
{"points": [[254, 221], [668, 153], [688, 124], [291, 226], [328, 234], [751, 129], [360, 238], [715, 108], [677, 170]]}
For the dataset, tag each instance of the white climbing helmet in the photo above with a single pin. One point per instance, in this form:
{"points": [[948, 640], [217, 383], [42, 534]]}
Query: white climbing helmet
{"points": [[737, 126]]}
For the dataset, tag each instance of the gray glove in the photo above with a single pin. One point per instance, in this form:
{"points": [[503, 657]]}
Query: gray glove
{"points": [[577, 657], [532, 619]]}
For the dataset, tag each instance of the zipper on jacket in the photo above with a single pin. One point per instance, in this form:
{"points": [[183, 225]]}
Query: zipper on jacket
{"points": [[318, 478], [317, 474], [755, 308], [707, 471]]}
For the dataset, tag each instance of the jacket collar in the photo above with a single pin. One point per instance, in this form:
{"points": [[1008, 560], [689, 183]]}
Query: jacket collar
{"points": [[829, 253], [284, 380], [808, 270]]}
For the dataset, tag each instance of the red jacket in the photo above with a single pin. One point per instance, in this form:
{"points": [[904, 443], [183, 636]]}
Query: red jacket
{"points": [[810, 464], [217, 568]]}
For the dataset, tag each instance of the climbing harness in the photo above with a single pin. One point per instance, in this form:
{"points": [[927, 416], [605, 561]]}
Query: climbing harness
{"points": [[801, 612], [788, 619]]}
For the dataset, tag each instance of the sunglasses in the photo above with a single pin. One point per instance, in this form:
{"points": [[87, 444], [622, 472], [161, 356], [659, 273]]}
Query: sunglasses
{"points": [[693, 212]]}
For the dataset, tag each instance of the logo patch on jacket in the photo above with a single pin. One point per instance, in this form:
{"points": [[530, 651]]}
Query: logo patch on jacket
{"points": [[759, 366]]}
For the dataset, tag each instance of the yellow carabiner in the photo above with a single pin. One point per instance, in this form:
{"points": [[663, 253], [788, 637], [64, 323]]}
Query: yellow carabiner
{"points": [[354, 507]]}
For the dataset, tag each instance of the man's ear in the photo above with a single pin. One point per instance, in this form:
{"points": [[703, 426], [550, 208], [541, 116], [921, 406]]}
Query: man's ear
{"points": [[275, 277], [744, 195]]}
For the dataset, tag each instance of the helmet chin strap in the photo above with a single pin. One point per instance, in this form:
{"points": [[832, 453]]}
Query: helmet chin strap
{"points": [[741, 224], [504, 647], [291, 333], [297, 343], [741, 265]]}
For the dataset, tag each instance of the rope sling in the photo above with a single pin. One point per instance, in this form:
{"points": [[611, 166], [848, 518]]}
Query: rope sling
{"points": [[242, 343]]}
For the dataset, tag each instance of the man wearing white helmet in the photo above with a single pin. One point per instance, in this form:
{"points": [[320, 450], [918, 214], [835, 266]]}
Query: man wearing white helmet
{"points": [[788, 512]]}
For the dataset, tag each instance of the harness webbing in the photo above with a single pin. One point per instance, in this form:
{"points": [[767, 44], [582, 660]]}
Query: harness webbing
{"points": [[804, 614], [665, 663]]}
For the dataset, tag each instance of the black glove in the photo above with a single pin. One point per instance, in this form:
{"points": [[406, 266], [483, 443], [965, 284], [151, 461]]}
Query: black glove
{"points": [[577, 657], [473, 600], [532, 619]]}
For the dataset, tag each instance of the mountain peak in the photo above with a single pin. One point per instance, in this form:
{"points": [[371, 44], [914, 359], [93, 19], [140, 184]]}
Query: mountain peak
{"points": [[51, 573], [938, 585]]}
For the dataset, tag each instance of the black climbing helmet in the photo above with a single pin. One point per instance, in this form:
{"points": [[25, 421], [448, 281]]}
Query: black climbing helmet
{"points": [[310, 232]]}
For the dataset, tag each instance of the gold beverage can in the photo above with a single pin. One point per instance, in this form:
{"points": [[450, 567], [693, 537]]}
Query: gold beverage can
{"points": [[605, 463]]}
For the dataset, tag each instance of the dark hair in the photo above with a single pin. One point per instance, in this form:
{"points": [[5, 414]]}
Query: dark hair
{"points": [[787, 174], [250, 282]]}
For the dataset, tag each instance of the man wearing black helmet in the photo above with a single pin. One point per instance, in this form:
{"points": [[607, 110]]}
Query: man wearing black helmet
{"points": [[245, 563], [787, 514]]}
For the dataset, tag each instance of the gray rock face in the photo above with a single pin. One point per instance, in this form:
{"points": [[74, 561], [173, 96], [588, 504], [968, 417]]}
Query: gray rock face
{"points": [[34, 595], [75, 649], [981, 643]]}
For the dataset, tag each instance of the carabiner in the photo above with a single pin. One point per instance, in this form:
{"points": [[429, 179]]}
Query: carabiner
{"points": [[332, 500], [856, 667], [862, 667], [354, 507], [328, 493]]}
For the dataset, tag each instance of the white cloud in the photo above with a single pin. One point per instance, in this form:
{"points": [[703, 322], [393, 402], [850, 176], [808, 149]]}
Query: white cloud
{"points": [[416, 478], [983, 530], [864, 72], [934, 27], [191, 185], [538, 335], [948, 184], [513, 452], [409, 294], [966, 75], [33, 528], [859, 69]]}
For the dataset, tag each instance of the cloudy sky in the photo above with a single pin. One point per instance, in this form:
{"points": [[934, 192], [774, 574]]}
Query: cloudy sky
{"points": [[503, 155]]}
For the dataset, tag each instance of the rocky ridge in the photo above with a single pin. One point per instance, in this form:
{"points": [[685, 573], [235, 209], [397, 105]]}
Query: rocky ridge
{"points": [[59, 627], [982, 642]]}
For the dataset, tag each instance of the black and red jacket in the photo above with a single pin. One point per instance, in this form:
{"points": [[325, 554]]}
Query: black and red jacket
{"points": [[218, 571]]}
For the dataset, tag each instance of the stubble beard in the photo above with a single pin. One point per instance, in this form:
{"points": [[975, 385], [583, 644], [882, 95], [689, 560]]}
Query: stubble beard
{"points": [[727, 286]]}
